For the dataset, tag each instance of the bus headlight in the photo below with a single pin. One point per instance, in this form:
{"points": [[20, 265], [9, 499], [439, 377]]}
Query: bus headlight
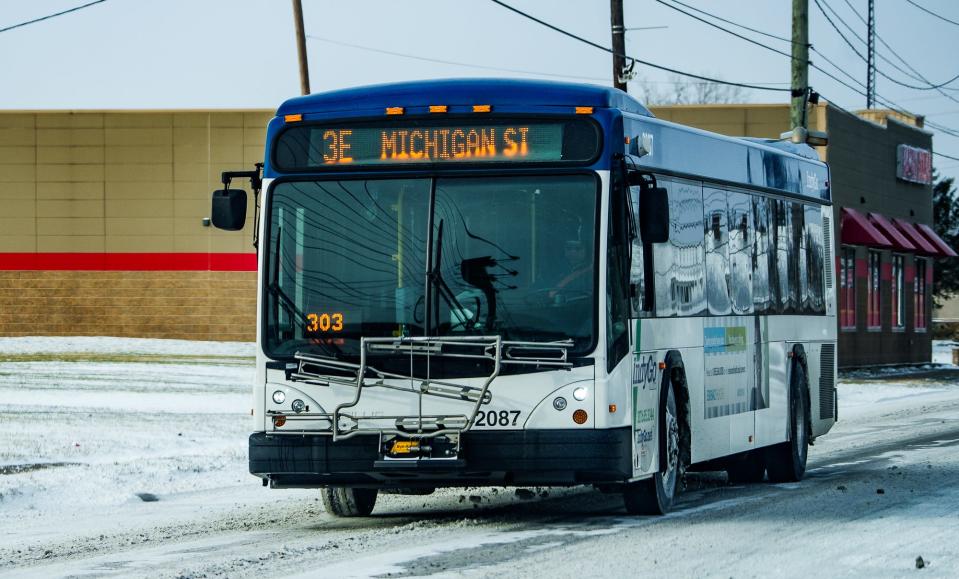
{"points": [[279, 396], [580, 393], [298, 406], [559, 403]]}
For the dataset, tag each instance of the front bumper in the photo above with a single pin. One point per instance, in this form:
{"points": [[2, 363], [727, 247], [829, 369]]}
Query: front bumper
{"points": [[487, 458]]}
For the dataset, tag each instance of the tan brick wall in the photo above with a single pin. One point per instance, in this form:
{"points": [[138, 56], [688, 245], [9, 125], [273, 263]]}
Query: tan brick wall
{"points": [[195, 305], [121, 181], [124, 182]]}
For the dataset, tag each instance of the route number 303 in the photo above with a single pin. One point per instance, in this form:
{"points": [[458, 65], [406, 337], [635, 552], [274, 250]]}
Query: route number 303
{"points": [[497, 417]]}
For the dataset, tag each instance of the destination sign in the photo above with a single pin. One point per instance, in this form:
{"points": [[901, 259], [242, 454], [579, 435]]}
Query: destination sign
{"points": [[321, 146]]}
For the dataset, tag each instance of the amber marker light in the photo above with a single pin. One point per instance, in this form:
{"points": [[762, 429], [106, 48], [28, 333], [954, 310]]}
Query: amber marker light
{"points": [[482, 108], [612, 408], [279, 421], [293, 118], [580, 416], [584, 110], [662, 365], [394, 110], [437, 108]]}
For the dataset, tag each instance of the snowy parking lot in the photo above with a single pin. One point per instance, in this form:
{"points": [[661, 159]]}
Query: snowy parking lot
{"points": [[127, 458]]}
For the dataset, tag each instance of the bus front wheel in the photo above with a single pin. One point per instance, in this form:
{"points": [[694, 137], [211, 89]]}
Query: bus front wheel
{"points": [[786, 462], [655, 496], [349, 501]]}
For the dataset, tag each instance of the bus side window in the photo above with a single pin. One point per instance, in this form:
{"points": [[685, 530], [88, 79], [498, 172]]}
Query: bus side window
{"points": [[740, 252], [717, 252], [761, 253], [815, 259], [679, 263], [617, 266], [637, 268]]}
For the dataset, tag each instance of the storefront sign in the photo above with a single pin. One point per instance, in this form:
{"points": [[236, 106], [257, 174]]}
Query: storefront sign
{"points": [[914, 164]]}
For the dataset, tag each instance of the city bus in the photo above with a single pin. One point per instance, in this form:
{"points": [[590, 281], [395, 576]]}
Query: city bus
{"points": [[515, 283]]}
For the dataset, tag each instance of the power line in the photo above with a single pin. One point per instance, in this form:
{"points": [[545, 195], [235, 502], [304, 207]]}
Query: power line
{"points": [[927, 11], [451, 62], [743, 26], [643, 62], [48, 17], [483, 66], [864, 59], [885, 102], [943, 155], [918, 75]]}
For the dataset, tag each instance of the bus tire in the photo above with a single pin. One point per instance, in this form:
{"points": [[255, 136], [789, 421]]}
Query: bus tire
{"points": [[786, 462], [349, 501], [749, 468], [655, 495]]}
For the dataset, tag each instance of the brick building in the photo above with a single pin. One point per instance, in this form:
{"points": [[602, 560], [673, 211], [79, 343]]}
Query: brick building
{"points": [[101, 229]]}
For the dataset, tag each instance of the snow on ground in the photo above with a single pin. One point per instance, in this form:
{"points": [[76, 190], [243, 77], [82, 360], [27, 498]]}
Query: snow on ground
{"points": [[123, 457], [942, 351], [83, 435]]}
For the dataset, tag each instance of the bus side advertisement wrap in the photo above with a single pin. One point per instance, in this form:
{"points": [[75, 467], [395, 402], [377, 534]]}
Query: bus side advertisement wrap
{"points": [[412, 142]]}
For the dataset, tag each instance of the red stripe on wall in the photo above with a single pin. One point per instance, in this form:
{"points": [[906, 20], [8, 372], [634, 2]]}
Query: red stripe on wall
{"points": [[127, 262]]}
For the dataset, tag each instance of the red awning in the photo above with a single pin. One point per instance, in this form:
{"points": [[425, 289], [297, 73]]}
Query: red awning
{"points": [[932, 236], [857, 230], [899, 241], [923, 245]]}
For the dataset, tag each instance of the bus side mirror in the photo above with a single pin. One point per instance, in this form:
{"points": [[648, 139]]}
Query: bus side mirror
{"points": [[654, 215], [229, 209]]}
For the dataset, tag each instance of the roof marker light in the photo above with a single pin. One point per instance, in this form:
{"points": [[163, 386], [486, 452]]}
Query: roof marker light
{"points": [[293, 118], [394, 110], [584, 110], [437, 108], [482, 108]]}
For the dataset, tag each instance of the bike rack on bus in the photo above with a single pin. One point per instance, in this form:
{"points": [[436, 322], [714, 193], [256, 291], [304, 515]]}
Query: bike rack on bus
{"points": [[322, 371]]}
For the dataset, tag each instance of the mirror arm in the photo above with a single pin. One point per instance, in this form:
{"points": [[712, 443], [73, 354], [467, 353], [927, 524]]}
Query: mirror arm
{"points": [[256, 183]]}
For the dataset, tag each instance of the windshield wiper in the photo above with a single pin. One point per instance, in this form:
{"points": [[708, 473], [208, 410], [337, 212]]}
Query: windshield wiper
{"points": [[283, 300], [435, 278]]}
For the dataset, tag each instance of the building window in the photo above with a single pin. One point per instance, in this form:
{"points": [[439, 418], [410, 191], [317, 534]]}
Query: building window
{"points": [[919, 295], [847, 288], [898, 293], [873, 317]]}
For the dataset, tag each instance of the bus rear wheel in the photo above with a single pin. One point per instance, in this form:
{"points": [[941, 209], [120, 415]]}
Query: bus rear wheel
{"points": [[655, 496], [349, 501], [786, 462]]}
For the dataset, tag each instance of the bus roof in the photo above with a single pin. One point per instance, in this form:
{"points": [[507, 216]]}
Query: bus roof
{"points": [[512, 93]]}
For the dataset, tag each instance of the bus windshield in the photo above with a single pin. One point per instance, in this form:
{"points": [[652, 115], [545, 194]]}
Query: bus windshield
{"points": [[509, 256]]}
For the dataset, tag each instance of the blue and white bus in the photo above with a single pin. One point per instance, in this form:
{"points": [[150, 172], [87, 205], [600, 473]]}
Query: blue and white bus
{"points": [[504, 282]]}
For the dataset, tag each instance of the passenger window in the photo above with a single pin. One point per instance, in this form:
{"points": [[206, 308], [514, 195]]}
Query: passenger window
{"points": [[678, 263], [799, 272], [815, 258], [717, 252], [740, 252], [761, 256], [784, 293]]}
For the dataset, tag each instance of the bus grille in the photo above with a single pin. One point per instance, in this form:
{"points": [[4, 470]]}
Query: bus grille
{"points": [[827, 386]]}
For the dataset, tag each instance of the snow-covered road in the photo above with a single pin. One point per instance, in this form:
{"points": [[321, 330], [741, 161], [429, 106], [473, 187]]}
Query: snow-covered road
{"points": [[127, 458]]}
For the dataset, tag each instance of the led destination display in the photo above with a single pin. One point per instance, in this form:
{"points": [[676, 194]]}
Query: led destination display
{"points": [[411, 142]]}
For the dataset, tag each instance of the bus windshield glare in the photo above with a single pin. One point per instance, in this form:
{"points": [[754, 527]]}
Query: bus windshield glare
{"points": [[509, 256]]}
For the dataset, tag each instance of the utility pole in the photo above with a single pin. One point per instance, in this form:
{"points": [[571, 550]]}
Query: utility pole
{"points": [[619, 43], [800, 63], [871, 61], [301, 47]]}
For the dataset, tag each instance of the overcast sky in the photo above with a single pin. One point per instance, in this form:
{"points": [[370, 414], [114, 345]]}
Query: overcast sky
{"points": [[135, 54]]}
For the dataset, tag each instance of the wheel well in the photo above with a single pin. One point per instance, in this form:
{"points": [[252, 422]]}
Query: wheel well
{"points": [[799, 358], [675, 375]]}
